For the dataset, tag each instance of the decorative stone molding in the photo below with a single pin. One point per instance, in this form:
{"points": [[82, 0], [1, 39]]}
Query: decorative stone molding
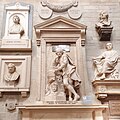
{"points": [[22, 67], [59, 8], [104, 27], [62, 111], [11, 104], [60, 24], [104, 88], [16, 33]]}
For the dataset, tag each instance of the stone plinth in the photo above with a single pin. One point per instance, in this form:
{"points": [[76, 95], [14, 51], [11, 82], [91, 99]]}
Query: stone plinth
{"points": [[103, 88], [62, 111], [104, 33]]}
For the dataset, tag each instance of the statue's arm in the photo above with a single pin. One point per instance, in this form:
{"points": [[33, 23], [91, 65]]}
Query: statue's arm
{"points": [[63, 63]]}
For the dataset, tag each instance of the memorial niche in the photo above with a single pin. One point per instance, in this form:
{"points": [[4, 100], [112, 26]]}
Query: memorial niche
{"points": [[12, 77], [64, 77], [17, 27], [60, 31]]}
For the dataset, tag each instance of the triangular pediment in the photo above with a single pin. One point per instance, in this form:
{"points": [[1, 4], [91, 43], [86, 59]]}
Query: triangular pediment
{"points": [[60, 23]]}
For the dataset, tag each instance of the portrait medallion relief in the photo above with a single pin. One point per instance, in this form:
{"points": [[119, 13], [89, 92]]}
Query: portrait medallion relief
{"points": [[47, 7]]}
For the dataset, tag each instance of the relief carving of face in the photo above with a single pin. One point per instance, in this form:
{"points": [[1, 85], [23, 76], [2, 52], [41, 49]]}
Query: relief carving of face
{"points": [[54, 87], [11, 68], [109, 46], [16, 19]]}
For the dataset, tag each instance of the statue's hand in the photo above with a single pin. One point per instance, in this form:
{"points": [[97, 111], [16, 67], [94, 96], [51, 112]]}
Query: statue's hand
{"points": [[68, 75]]}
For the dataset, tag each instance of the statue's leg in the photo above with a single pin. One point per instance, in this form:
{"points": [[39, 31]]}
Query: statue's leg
{"points": [[71, 89], [104, 69]]}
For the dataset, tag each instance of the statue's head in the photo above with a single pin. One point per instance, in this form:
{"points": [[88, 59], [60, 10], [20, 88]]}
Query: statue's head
{"points": [[11, 68], [54, 86], [109, 46], [59, 52], [16, 19], [103, 16]]}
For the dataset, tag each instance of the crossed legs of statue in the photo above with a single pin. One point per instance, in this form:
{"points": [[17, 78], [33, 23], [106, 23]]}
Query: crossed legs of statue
{"points": [[70, 89]]}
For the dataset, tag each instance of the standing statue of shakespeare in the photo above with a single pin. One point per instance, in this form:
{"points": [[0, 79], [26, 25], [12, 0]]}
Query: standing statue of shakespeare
{"points": [[64, 65]]}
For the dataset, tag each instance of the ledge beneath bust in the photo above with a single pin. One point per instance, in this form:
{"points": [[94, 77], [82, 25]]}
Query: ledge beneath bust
{"points": [[15, 45], [104, 33], [103, 88]]}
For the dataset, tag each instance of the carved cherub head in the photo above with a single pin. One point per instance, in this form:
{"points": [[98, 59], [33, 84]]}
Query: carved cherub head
{"points": [[54, 86]]}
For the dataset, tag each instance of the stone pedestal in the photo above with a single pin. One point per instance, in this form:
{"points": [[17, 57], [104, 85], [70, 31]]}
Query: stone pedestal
{"points": [[104, 33], [62, 111]]}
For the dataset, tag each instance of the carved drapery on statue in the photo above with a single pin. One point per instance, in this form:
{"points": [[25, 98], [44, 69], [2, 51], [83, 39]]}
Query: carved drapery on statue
{"points": [[107, 79], [105, 64]]}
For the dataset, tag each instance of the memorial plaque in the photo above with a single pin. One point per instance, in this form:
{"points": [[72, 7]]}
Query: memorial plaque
{"points": [[74, 13], [114, 106]]}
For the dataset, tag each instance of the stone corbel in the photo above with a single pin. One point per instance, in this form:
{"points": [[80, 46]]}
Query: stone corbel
{"points": [[24, 94], [83, 34], [104, 33], [38, 34], [38, 41]]}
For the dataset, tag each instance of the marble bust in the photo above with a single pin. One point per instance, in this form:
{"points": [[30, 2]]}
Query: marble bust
{"points": [[103, 20], [12, 75], [16, 28]]}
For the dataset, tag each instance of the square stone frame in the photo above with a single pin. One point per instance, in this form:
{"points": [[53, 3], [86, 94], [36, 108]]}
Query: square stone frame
{"points": [[24, 86], [60, 30]]}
